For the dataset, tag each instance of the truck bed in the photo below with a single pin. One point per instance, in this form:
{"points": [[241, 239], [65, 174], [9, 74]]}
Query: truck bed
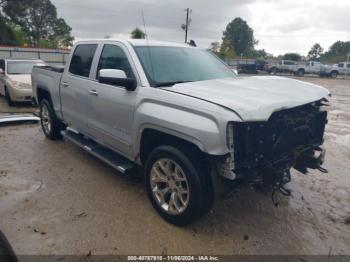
{"points": [[48, 78], [58, 69]]}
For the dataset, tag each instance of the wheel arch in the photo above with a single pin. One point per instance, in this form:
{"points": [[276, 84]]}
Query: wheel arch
{"points": [[152, 137], [42, 93]]}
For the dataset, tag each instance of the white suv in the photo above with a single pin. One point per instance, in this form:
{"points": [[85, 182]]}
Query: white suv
{"points": [[15, 81]]}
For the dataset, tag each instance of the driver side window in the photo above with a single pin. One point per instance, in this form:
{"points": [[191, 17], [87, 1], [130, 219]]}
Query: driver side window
{"points": [[113, 57]]}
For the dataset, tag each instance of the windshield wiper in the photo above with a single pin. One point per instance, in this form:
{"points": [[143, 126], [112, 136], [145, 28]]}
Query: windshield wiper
{"points": [[171, 83]]}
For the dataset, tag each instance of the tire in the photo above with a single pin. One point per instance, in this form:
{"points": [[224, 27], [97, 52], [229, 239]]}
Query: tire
{"points": [[301, 72], [334, 74], [273, 71], [163, 191], [8, 98], [50, 124]]}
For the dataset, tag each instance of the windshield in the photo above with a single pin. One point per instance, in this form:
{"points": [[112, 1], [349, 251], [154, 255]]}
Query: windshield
{"points": [[21, 67], [166, 66]]}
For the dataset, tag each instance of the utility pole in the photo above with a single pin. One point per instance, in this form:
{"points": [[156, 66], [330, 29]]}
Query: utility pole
{"points": [[188, 21], [187, 17]]}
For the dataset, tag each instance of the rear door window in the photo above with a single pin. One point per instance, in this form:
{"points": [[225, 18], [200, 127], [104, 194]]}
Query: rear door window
{"points": [[82, 59]]}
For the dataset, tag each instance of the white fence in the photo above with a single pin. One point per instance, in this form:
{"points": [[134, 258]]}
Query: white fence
{"points": [[50, 56]]}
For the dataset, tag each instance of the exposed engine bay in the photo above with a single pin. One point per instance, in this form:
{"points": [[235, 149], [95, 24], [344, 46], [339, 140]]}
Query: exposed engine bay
{"points": [[264, 152]]}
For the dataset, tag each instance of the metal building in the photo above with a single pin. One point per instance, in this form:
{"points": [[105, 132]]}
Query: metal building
{"points": [[50, 56]]}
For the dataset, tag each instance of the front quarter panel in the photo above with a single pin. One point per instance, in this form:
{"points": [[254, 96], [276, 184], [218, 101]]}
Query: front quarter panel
{"points": [[199, 122]]}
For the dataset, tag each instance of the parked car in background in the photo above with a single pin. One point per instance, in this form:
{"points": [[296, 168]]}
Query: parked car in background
{"points": [[283, 66], [310, 67], [247, 68], [250, 66], [344, 68], [183, 117], [260, 64], [329, 71], [15, 81]]}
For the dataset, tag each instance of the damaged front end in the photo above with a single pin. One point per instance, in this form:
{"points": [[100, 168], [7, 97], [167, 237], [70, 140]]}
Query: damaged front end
{"points": [[264, 152]]}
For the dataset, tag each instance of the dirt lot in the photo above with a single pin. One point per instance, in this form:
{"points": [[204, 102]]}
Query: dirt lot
{"points": [[57, 199]]}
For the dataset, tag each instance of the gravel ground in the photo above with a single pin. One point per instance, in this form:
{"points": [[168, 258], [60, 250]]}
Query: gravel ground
{"points": [[57, 199]]}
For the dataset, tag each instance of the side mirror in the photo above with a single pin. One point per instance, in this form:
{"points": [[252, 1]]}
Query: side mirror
{"points": [[116, 77]]}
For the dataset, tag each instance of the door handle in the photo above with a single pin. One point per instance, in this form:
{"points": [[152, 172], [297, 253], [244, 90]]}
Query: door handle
{"points": [[64, 84], [93, 92]]}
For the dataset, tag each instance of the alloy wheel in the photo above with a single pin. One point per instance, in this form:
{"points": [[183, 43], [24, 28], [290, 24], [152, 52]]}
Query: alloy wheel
{"points": [[46, 119], [169, 186]]}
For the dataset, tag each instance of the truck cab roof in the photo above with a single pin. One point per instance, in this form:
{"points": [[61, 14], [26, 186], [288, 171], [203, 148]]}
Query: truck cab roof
{"points": [[136, 42]]}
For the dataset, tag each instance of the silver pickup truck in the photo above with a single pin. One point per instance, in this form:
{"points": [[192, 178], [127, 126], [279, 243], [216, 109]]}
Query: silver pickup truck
{"points": [[178, 113]]}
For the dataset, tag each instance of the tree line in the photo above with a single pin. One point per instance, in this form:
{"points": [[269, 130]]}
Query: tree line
{"points": [[33, 23], [238, 41]]}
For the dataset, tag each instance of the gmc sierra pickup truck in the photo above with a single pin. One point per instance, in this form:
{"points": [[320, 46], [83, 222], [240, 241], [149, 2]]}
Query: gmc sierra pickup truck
{"points": [[184, 118]]}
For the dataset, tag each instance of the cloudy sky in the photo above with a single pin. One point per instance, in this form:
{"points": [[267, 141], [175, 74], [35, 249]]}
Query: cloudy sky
{"points": [[280, 25]]}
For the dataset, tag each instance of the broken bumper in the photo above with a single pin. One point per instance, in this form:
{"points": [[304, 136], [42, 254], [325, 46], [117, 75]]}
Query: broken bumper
{"points": [[266, 151]]}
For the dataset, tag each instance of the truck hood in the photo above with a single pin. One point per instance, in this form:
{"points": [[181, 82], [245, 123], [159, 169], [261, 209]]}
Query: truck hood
{"points": [[25, 79], [253, 98]]}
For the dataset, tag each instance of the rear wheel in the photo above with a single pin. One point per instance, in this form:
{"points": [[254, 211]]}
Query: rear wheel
{"points": [[177, 187], [50, 124], [8, 98], [301, 72]]}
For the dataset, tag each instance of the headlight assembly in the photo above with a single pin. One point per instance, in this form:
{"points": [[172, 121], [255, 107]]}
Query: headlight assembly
{"points": [[20, 85]]}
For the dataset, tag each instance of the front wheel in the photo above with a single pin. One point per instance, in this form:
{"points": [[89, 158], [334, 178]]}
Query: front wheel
{"points": [[50, 124], [334, 74], [301, 73], [177, 188]]}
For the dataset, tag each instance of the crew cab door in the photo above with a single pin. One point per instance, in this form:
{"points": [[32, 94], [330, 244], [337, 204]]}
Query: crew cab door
{"points": [[75, 86], [111, 108], [315, 67]]}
